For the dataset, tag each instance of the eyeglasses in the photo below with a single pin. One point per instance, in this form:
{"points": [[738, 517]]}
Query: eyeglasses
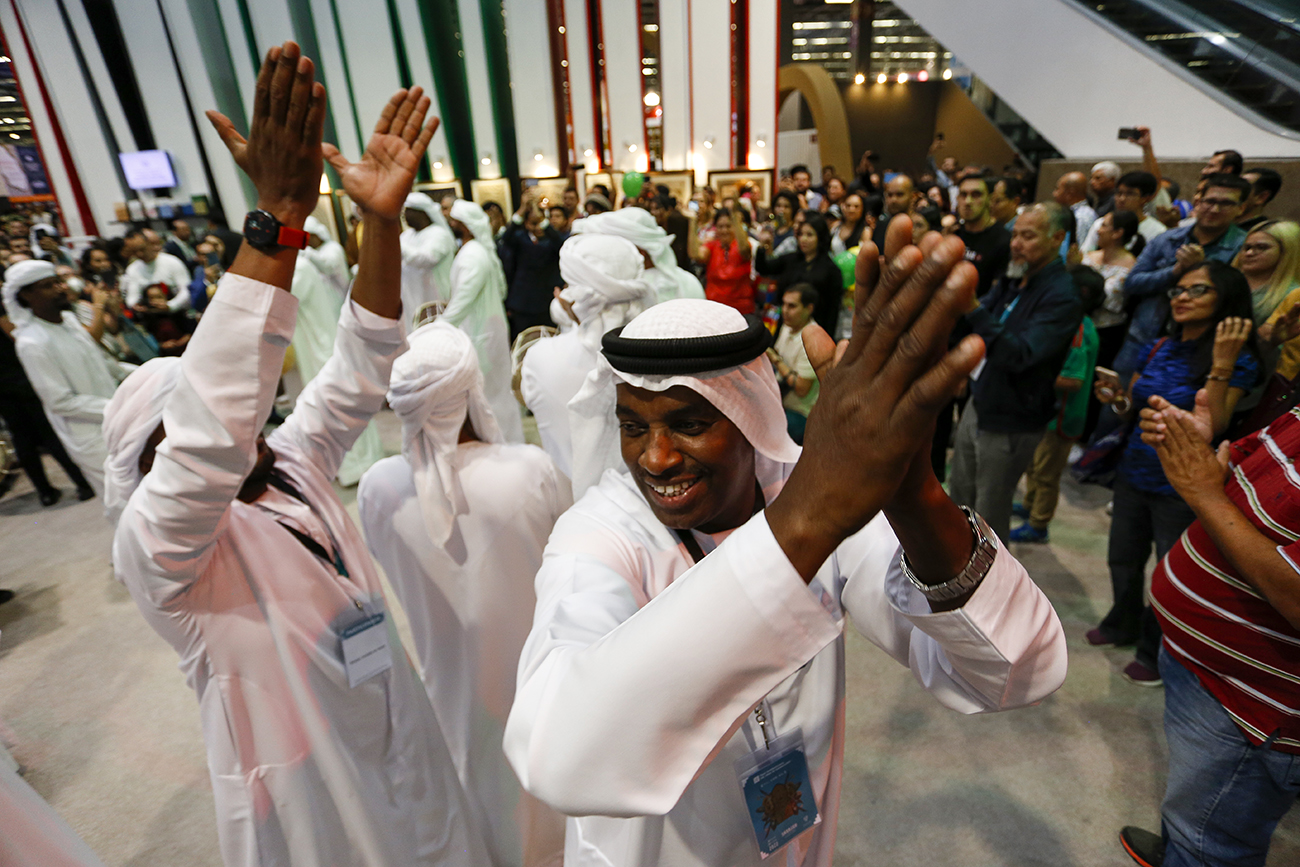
{"points": [[1192, 292], [1220, 204]]}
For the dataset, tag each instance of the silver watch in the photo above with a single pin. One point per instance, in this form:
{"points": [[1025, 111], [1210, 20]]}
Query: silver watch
{"points": [[981, 560]]}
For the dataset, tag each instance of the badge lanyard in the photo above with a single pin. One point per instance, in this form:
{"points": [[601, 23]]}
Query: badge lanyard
{"points": [[332, 558]]}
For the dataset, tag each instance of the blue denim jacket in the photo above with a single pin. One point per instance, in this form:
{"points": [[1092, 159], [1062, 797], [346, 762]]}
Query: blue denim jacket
{"points": [[1154, 273]]}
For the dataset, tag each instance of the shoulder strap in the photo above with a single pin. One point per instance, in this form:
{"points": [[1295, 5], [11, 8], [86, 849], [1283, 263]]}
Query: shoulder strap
{"points": [[692, 545]]}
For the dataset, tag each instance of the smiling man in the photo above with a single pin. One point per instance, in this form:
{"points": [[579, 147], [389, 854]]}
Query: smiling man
{"points": [[681, 695]]}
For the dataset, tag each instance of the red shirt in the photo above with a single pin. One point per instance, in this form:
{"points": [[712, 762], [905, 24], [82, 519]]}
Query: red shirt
{"points": [[728, 279], [1243, 651]]}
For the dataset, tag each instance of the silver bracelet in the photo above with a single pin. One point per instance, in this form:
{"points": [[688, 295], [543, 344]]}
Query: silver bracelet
{"points": [[981, 561]]}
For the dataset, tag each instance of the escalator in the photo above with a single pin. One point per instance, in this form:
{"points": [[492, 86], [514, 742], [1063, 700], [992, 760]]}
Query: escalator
{"points": [[1247, 50]]}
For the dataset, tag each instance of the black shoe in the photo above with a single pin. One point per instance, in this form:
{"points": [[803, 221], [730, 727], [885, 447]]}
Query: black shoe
{"points": [[50, 497], [1142, 846], [85, 493], [5, 596]]}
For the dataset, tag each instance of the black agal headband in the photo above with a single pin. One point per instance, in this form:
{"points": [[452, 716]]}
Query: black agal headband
{"points": [[670, 356]]}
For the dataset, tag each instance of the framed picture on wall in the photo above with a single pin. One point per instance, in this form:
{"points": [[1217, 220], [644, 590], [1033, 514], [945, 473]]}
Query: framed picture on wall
{"points": [[439, 190], [731, 184], [493, 190], [551, 190], [681, 185]]}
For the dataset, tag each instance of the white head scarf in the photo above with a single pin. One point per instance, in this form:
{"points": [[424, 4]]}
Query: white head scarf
{"points": [[747, 394], [313, 226], [434, 385], [476, 220], [18, 276], [636, 225], [606, 288], [130, 417], [425, 203]]}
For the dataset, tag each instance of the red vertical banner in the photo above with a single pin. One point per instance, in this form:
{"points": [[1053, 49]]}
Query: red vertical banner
{"points": [[599, 89], [740, 83], [560, 75]]}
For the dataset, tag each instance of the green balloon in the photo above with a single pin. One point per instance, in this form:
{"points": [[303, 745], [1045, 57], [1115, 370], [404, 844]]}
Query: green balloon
{"points": [[632, 184]]}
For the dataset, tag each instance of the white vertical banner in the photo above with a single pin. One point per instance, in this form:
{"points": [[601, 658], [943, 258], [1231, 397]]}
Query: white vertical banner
{"points": [[711, 86], [533, 90], [368, 41], [578, 49], [764, 18], [99, 76], [332, 72], [225, 174], [247, 63], [272, 23], [675, 84], [621, 23], [474, 50], [161, 92], [417, 54], [93, 160]]}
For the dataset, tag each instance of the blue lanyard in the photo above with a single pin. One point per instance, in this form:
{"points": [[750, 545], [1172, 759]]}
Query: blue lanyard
{"points": [[1006, 311]]}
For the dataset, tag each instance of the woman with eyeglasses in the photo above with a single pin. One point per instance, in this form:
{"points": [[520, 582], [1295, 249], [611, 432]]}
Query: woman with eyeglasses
{"points": [[1270, 261], [1211, 345]]}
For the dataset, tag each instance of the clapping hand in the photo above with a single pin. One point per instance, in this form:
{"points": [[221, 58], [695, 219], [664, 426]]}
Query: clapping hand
{"points": [[380, 181], [1154, 421], [1230, 335], [1195, 471], [1283, 329], [1188, 257]]}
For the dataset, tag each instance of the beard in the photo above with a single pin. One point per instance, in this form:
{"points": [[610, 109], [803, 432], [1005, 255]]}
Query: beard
{"points": [[1017, 269]]}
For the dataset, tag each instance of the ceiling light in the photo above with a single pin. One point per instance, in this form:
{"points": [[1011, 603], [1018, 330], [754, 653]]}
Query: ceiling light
{"points": [[923, 76], [882, 78], [947, 75], [651, 99], [859, 78], [902, 78]]}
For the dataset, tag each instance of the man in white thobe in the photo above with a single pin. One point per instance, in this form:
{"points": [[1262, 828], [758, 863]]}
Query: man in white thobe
{"points": [[428, 249], [156, 266], [606, 288], [477, 307], [690, 607], [328, 255], [319, 308], [662, 272], [73, 377], [458, 522], [322, 745]]}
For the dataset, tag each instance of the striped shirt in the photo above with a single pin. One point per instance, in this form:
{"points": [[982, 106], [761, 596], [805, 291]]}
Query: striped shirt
{"points": [[1243, 651]]}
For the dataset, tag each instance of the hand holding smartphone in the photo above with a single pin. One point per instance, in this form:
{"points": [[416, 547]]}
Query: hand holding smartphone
{"points": [[1107, 385]]}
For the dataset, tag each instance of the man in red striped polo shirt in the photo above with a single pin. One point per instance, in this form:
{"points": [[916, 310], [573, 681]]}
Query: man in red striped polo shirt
{"points": [[1228, 599]]}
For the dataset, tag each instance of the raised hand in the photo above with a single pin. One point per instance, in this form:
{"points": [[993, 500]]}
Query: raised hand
{"points": [[1283, 329], [282, 154], [1229, 337], [880, 390], [1154, 421], [380, 181]]}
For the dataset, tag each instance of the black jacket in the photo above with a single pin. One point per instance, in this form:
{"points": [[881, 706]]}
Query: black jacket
{"points": [[1025, 348], [822, 273]]}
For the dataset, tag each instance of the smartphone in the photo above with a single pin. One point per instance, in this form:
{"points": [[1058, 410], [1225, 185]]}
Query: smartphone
{"points": [[1128, 133], [1108, 384]]}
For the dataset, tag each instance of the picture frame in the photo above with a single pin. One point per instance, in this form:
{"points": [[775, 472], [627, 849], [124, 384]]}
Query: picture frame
{"points": [[439, 190], [550, 189], [493, 190], [727, 184], [681, 185]]}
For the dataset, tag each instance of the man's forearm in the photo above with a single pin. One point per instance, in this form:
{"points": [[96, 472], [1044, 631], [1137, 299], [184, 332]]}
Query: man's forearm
{"points": [[1251, 553], [275, 268], [934, 534], [378, 286]]}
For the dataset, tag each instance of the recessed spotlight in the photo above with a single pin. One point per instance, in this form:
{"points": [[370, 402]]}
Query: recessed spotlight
{"points": [[947, 75], [902, 78], [882, 78], [859, 78]]}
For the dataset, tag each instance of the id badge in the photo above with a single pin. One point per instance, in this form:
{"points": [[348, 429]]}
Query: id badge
{"points": [[365, 649], [778, 792]]}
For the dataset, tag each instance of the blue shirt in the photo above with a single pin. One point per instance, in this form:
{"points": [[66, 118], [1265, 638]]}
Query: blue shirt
{"points": [[1169, 374], [1153, 274]]}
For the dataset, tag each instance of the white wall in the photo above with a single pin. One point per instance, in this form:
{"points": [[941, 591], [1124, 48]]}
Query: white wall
{"points": [[710, 72], [531, 91], [675, 84], [578, 52], [620, 22], [1077, 82], [762, 84]]}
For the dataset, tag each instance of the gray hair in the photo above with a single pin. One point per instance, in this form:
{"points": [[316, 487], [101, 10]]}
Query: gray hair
{"points": [[1053, 215], [1110, 169]]}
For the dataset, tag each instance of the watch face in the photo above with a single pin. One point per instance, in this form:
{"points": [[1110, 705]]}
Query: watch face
{"points": [[261, 229]]}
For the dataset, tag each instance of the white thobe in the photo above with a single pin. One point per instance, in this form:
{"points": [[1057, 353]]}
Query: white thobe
{"points": [[140, 274], [305, 770], [426, 267], [31, 833], [669, 281], [639, 669], [74, 379], [553, 371], [470, 605], [319, 307], [477, 307], [331, 260]]}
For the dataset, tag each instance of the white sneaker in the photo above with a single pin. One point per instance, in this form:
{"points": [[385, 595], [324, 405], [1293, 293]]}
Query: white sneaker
{"points": [[1076, 452], [1110, 508]]}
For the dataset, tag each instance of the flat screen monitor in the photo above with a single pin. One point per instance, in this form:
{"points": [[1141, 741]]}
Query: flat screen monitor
{"points": [[148, 170]]}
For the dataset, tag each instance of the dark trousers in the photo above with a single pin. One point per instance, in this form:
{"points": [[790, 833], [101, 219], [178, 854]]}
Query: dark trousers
{"points": [[31, 433], [1139, 520], [522, 320], [943, 426], [1109, 340]]}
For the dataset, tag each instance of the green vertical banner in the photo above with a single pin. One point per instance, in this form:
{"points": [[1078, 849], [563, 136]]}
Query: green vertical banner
{"points": [[304, 25], [498, 68], [404, 71], [220, 66], [441, 25]]}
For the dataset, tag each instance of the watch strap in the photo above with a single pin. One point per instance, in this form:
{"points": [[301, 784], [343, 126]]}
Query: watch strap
{"points": [[981, 561], [289, 237]]}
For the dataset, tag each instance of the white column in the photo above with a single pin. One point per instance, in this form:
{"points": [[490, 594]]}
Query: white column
{"points": [[533, 90], [622, 38], [675, 84], [585, 135], [763, 21], [480, 89], [710, 86]]}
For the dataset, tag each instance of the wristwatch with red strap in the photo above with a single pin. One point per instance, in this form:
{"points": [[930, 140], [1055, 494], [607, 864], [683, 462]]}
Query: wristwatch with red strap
{"points": [[264, 232]]}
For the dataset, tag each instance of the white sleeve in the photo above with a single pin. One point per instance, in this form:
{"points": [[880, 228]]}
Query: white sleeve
{"points": [[471, 279], [228, 379], [335, 407], [1090, 242], [426, 249], [618, 708], [180, 274], [45, 371], [131, 285], [1003, 649]]}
